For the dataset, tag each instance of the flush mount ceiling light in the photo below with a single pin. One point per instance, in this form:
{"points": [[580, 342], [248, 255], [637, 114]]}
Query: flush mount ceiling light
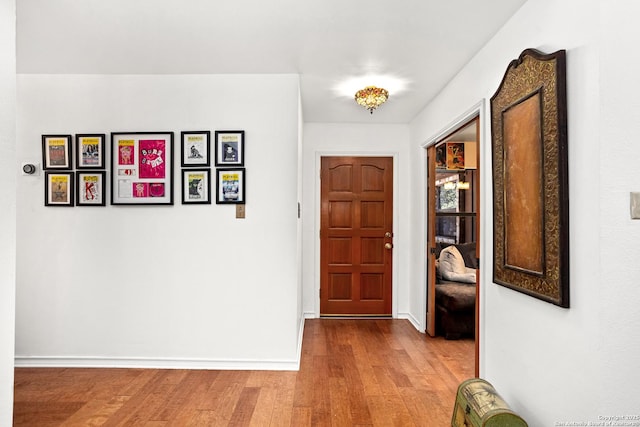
{"points": [[371, 97]]}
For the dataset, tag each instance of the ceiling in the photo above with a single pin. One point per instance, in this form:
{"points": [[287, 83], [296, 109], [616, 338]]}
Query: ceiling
{"points": [[410, 47]]}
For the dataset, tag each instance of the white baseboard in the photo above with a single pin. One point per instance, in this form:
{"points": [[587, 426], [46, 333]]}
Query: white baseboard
{"points": [[154, 363], [416, 324], [300, 336]]}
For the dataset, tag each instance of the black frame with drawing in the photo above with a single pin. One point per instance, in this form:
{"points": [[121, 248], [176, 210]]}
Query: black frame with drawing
{"points": [[195, 148], [58, 189], [90, 152], [229, 148], [57, 152], [530, 176], [196, 186], [230, 186], [91, 188]]}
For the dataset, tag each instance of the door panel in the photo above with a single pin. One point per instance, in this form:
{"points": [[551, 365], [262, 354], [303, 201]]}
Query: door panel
{"points": [[356, 224]]}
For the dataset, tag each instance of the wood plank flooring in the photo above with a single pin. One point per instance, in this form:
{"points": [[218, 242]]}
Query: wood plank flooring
{"points": [[377, 372]]}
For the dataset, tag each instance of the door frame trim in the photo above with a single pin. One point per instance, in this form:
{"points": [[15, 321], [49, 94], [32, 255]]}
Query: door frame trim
{"points": [[316, 222], [478, 110]]}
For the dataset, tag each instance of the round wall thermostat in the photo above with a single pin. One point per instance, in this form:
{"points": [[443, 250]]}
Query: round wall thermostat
{"points": [[29, 168]]}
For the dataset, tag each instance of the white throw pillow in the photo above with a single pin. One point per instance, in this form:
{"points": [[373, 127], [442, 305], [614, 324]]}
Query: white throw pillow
{"points": [[451, 266], [451, 260]]}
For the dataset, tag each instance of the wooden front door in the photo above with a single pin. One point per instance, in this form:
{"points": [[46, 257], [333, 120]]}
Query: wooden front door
{"points": [[356, 236]]}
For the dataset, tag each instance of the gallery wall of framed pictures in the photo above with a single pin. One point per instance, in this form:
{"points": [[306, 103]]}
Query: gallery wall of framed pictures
{"points": [[141, 168]]}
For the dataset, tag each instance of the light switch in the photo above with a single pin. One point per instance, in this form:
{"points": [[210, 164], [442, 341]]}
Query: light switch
{"points": [[240, 211], [635, 205]]}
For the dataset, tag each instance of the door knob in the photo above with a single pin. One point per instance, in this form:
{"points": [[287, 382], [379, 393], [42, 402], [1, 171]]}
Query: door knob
{"points": [[388, 246], [387, 234]]}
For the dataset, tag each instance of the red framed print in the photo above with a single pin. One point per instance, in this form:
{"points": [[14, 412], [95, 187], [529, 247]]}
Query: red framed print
{"points": [[58, 189], [56, 152], [90, 188], [142, 168]]}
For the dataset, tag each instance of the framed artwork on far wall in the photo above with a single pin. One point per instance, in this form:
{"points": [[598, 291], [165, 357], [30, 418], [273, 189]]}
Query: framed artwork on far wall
{"points": [[455, 155], [58, 189], [229, 148], [56, 152], [91, 188], [230, 186], [142, 168], [195, 148], [196, 186], [90, 152], [441, 156]]}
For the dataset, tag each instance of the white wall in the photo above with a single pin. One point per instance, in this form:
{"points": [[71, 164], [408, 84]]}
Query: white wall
{"points": [[619, 293], [358, 140], [552, 364], [161, 286], [7, 206]]}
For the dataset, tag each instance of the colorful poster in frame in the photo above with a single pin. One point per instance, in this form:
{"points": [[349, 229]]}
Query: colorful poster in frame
{"points": [[90, 152], [196, 186], [229, 148], [91, 188], [58, 189], [230, 186], [195, 148], [455, 155], [56, 152], [142, 168]]}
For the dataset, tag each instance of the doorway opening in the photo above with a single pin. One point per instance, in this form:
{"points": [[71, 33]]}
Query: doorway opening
{"points": [[453, 234]]}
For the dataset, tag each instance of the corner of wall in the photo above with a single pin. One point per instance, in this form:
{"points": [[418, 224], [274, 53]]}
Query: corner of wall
{"points": [[8, 206]]}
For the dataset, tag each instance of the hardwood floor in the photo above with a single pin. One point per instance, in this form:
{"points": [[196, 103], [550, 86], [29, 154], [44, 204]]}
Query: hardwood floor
{"points": [[352, 373]]}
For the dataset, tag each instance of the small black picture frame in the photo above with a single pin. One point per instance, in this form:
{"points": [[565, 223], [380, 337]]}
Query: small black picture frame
{"points": [[230, 186], [229, 148], [195, 148], [90, 152], [91, 188], [56, 152], [59, 189], [196, 186]]}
